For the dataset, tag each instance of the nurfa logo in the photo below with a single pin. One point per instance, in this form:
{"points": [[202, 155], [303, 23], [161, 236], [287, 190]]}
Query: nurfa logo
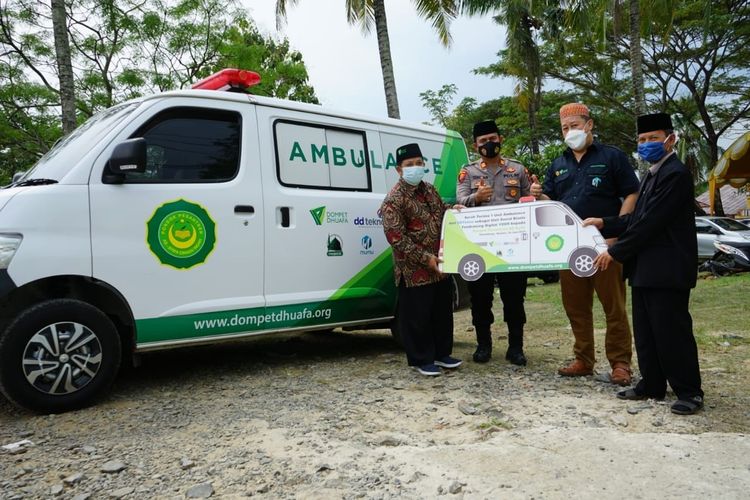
{"points": [[318, 215], [181, 234]]}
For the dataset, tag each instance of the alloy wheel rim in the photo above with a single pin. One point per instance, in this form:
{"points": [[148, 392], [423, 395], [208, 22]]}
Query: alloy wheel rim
{"points": [[62, 358]]}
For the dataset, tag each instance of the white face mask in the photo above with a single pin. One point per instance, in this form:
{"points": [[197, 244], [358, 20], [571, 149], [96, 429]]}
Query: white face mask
{"points": [[576, 139], [413, 175]]}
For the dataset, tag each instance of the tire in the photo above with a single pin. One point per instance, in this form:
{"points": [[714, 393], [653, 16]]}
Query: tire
{"points": [[471, 267], [461, 297], [58, 355], [551, 277], [396, 333], [581, 262]]}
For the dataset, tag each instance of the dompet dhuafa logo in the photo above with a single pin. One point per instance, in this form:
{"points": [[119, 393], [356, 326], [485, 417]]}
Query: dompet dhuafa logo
{"points": [[181, 234]]}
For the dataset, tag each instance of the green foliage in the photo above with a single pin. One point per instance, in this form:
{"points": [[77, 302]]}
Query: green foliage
{"points": [[283, 72], [438, 101], [122, 49], [512, 121]]}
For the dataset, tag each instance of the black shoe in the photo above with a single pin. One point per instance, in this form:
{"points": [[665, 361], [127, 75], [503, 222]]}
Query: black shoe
{"points": [[631, 395], [482, 354], [516, 357]]}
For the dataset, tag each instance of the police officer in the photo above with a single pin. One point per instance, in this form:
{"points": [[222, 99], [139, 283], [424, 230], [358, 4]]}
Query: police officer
{"points": [[494, 180]]}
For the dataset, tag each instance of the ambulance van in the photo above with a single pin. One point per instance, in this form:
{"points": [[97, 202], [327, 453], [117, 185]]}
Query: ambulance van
{"points": [[192, 217]]}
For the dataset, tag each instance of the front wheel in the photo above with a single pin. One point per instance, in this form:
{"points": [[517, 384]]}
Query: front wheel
{"points": [[581, 262], [58, 355]]}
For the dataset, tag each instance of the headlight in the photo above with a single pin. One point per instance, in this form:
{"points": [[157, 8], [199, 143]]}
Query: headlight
{"points": [[8, 246]]}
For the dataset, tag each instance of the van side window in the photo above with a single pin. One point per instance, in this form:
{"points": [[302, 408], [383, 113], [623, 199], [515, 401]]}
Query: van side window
{"points": [[552, 216], [321, 157], [190, 145]]}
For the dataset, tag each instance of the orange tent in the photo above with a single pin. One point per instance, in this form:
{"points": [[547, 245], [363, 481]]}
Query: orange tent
{"points": [[733, 167]]}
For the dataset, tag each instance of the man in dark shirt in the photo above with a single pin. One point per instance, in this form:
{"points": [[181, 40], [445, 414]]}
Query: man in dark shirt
{"points": [[595, 180], [412, 216], [658, 248]]}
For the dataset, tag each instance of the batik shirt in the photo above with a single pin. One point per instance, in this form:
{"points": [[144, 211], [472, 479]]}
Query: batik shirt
{"points": [[412, 216]]}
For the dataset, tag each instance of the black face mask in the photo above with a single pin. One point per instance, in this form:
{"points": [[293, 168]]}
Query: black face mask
{"points": [[489, 149]]}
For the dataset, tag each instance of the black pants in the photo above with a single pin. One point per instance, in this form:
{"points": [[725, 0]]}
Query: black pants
{"points": [[512, 292], [425, 321], [664, 342]]}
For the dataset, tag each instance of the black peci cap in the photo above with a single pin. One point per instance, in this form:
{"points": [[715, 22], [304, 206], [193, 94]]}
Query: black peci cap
{"points": [[656, 121], [408, 151], [485, 127]]}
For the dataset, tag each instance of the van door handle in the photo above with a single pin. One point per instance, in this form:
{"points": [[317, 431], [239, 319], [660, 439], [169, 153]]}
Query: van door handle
{"points": [[244, 209], [284, 216]]}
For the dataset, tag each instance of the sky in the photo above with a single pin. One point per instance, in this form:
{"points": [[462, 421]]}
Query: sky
{"points": [[344, 64]]}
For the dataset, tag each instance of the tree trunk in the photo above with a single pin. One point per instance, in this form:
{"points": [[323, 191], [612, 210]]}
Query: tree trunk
{"points": [[384, 45], [534, 106], [714, 148], [636, 67], [64, 66]]}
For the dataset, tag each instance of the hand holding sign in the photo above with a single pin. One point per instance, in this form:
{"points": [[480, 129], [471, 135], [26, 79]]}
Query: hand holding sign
{"points": [[536, 188], [484, 192]]}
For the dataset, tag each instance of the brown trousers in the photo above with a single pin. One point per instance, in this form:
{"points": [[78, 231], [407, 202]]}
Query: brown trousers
{"points": [[578, 300]]}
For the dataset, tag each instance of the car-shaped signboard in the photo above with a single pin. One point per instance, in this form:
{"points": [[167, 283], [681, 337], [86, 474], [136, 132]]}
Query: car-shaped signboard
{"points": [[537, 236]]}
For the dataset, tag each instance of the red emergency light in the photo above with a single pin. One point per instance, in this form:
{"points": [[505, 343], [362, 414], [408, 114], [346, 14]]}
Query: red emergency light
{"points": [[229, 79]]}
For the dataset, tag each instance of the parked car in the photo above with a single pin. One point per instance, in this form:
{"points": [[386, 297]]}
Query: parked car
{"points": [[724, 229], [744, 221]]}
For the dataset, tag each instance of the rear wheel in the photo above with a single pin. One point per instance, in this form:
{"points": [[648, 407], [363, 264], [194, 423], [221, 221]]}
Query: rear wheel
{"points": [[471, 267], [58, 355]]}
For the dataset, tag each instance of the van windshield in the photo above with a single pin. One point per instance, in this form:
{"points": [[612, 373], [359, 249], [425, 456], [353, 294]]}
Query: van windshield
{"points": [[68, 150]]}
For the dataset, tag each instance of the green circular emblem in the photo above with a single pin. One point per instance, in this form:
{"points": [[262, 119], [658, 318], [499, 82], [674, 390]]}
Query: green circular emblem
{"points": [[554, 243], [181, 234]]}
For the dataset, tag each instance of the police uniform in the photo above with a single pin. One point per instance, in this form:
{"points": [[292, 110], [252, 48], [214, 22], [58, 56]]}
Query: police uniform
{"points": [[509, 183]]}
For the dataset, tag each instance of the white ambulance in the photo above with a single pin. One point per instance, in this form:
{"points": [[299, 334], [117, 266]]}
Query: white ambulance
{"points": [[196, 216]]}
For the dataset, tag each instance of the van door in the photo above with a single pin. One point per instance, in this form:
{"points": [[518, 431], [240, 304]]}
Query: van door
{"points": [[326, 254], [182, 242]]}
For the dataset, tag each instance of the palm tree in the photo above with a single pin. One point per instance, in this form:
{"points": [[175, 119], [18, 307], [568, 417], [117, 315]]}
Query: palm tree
{"points": [[596, 16], [369, 13], [520, 59], [64, 65]]}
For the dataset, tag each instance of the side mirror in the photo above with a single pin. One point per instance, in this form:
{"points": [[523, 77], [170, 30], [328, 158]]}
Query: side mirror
{"points": [[128, 156], [715, 231], [17, 176]]}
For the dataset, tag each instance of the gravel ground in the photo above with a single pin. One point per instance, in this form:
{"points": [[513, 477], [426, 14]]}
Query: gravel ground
{"points": [[339, 415]]}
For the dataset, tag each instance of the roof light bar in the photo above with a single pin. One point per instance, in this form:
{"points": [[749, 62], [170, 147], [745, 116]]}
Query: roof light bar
{"points": [[229, 79]]}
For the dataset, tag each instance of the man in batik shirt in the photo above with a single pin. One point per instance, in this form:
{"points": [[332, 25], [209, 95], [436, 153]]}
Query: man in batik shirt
{"points": [[412, 214]]}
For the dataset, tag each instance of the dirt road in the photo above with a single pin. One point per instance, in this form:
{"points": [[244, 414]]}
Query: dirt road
{"points": [[340, 416]]}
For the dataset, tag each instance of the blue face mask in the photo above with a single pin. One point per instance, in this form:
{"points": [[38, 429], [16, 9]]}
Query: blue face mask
{"points": [[652, 151], [413, 175]]}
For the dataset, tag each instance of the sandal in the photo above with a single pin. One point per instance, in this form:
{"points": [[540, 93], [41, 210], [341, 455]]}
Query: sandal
{"points": [[688, 406]]}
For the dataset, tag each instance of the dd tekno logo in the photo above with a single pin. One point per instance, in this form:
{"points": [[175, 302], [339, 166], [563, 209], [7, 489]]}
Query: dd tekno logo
{"points": [[181, 234]]}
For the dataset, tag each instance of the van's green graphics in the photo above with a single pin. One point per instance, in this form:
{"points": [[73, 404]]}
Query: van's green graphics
{"points": [[181, 234]]}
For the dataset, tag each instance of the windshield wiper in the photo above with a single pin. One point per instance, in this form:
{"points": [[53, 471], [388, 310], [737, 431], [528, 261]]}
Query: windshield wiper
{"points": [[34, 182]]}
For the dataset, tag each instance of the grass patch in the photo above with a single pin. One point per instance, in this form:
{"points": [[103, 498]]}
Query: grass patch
{"points": [[495, 422]]}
